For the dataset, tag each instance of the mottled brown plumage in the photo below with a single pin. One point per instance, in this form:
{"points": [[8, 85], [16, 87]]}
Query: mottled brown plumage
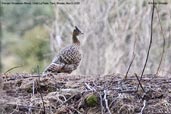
{"points": [[68, 58]]}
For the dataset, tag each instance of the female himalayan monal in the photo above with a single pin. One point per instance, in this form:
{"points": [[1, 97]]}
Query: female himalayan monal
{"points": [[67, 59]]}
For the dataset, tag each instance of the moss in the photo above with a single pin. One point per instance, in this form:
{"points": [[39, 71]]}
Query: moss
{"points": [[91, 100]]}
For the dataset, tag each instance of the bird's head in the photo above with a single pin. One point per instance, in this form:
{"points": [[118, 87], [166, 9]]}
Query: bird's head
{"points": [[76, 31]]}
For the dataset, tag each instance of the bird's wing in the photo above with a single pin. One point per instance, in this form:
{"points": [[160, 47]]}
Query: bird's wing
{"points": [[70, 55], [62, 55]]}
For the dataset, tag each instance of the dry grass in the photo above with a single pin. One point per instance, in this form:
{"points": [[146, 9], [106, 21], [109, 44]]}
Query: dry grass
{"points": [[66, 94]]}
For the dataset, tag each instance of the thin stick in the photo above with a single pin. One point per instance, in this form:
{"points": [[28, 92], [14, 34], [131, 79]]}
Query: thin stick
{"points": [[40, 92], [41, 96], [101, 103], [144, 105], [30, 108], [151, 39], [72, 108], [164, 41], [133, 56], [1, 14], [33, 88], [13, 68], [27, 107], [14, 78], [89, 87], [69, 99], [106, 102], [139, 83]]}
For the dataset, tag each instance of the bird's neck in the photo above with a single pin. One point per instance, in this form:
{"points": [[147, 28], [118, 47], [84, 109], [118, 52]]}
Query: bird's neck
{"points": [[75, 40]]}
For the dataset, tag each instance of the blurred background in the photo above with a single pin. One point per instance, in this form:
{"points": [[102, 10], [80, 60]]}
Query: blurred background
{"points": [[33, 34]]}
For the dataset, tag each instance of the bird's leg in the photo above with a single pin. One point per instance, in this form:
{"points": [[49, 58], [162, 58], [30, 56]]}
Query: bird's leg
{"points": [[47, 74]]}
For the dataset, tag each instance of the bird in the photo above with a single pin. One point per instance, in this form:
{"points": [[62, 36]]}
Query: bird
{"points": [[67, 59]]}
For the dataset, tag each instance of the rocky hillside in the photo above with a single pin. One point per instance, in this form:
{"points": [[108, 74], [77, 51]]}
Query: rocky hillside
{"points": [[75, 94]]}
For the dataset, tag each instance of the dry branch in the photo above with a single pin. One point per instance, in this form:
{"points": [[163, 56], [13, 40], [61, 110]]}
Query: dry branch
{"points": [[139, 83], [41, 96], [151, 39], [144, 105], [164, 42], [12, 68], [101, 103], [40, 90], [133, 56], [106, 102]]}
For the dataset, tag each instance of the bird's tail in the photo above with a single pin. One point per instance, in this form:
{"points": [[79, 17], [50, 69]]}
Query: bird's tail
{"points": [[53, 68]]}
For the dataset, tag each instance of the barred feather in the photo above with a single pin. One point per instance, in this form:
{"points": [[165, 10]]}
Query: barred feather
{"points": [[67, 59]]}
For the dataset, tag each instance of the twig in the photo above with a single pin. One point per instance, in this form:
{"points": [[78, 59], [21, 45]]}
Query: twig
{"points": [[112, 102], [40, 92], [101, 103], [33, 88], [14, 78], [159, 2], [1, 15], [27, 107], [89, 87], [41, 96], [72, 108], [106, 102], [144, 105], [30, 108], [67, 100], [164, 42], [13, 68], [133, 56], [71, 90], [15, 110], [151, 38], [139, 83], [59, 99]]}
